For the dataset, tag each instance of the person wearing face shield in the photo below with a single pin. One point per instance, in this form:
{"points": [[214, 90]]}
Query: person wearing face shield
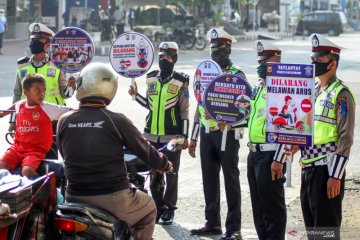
{"points": [[323, 164], [213, 159], [58, 88], [266, 193], [167, 99], [91, 140]]}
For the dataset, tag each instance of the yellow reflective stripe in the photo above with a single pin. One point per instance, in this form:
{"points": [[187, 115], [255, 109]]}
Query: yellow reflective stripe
{"points": [[173, 116]]}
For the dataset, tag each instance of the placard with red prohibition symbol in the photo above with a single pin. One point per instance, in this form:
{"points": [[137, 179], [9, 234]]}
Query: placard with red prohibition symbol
{"points": [[227, 98], [71, 49], [131, 55], [289, 103], [206, 72]]}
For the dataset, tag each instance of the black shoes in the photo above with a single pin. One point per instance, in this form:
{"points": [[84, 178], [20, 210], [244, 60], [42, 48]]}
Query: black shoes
{"points": [[167, 216], [158, 215], [206, 231], [231, 235]]}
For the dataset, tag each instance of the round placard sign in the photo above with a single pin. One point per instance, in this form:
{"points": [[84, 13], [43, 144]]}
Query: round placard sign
{"points": [[206, 72], [71, 49], [227, 98], [131, 55]]}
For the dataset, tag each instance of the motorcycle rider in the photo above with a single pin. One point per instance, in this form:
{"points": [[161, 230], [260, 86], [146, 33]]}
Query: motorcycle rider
{"points": [[91, 140]]}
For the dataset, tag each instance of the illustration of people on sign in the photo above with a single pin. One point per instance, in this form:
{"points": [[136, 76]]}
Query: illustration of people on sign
{"points": [[288, 110], [123, 65], [287, 118], [142, 55], [243, 104]]}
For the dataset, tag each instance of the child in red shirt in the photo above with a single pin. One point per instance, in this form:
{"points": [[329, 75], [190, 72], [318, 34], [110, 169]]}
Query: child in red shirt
{"points": [[33, 135]]}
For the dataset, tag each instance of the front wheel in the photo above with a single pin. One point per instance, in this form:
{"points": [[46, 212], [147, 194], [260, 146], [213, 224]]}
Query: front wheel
{"points": [[189, 43], [200, 43]]}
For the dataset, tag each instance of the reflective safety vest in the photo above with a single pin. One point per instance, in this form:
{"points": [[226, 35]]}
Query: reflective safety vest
{"points": [[232, 70], [257, 119], [51, 75], [325, 122], [164, 116]]}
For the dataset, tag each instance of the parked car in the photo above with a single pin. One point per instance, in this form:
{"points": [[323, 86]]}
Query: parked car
{"points": [[328, 22]]}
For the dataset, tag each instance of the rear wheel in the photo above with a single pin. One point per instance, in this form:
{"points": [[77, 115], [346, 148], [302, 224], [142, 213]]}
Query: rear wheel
{"points": [[332, 32], [200, 43]]}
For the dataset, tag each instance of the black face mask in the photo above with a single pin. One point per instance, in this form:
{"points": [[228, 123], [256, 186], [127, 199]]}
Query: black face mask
{"points": [[166, 68], [36, 47], [321, 68], [221, 56]]}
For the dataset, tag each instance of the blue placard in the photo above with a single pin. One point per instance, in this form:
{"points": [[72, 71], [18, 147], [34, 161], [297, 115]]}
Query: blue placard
{"points": [[71, 49], [227, 98]]}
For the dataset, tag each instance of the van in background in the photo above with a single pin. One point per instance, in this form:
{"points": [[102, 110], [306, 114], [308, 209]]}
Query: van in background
{"points": [[330, 22]]}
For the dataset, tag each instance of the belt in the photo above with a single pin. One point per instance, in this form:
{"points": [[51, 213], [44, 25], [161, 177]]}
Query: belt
{"points": [[321, 162], [262, 147]]}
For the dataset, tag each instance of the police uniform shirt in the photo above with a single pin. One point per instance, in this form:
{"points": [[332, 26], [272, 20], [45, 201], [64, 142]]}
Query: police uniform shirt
{"points": [[18, 86], [184, 104], [345, 118]]}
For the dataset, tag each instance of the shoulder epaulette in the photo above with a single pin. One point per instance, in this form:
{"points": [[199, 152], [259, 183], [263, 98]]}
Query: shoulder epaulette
{"points": [[181, 77], [23, 60], [152, 74]]}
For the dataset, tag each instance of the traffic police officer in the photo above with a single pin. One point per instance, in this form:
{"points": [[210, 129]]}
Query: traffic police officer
{"points": [[167, 98], [267, 194], [323, 164], [213, 159], [57, 87]]}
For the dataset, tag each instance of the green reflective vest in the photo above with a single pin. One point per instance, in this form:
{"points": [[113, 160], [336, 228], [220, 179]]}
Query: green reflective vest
{"points": [[212, 123], [257, 119], [164, 116], [51, 75], [325, 122]]}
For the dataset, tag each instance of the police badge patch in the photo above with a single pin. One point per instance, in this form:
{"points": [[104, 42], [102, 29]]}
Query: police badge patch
{"points": [[51, 72], [172, 89]]}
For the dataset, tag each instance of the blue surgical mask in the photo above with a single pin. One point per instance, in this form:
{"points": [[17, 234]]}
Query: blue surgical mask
{"points": [[36, 47]]}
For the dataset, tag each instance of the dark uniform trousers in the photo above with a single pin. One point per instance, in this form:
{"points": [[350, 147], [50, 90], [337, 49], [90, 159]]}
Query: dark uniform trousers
{"points": [[267, 197], [320, 213], [212, 160], [168, 194]]}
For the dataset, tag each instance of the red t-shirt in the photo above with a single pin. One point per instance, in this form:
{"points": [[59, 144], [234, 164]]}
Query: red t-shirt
{"points": [[33, 126]]}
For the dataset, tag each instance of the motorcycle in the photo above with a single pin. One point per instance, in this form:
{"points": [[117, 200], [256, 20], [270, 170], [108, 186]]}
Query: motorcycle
{"points": [[26, 208], [282, 121], [84, 221], [184, 36]]}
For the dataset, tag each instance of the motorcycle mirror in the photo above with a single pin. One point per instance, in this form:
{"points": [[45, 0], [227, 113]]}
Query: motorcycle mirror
{"points": [[175, 144]]}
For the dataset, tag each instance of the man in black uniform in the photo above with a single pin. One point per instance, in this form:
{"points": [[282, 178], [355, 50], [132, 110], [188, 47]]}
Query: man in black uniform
{"points": [[213, 159], [167, 99], [323, 164], [91, 141], [267, 194]]}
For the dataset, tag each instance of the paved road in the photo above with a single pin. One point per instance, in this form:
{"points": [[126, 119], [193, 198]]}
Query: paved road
{"points": [[191, 204]]}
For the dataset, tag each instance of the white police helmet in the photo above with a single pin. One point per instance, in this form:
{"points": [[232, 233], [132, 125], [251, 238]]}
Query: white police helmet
{"points": [[96, 80]]}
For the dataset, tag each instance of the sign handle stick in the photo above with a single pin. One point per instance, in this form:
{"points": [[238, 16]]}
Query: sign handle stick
{"points": [[289, 160], [223, 139], [133, 84], [207, 126]]}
